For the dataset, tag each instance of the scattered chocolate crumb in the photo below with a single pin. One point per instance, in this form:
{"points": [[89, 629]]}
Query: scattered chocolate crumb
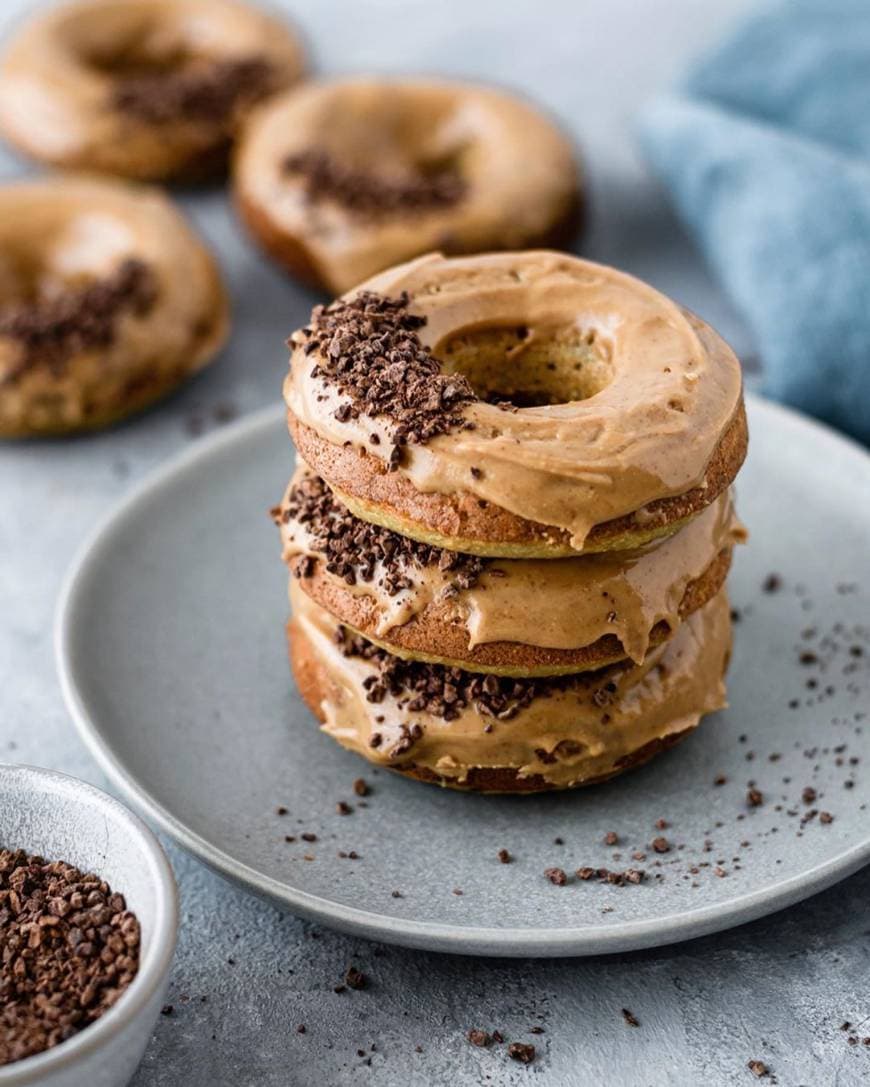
{"points": [[355, 978], [280, 810], [772, 583], [522, 1052], [397, 894], [720, 779], [343, 809], [808, 795], [754, 798], [167, 1009], [504, 856], [356, 550], [661, 845], [368, 195], [825, 817], [368, 348], [497, 1036], [205, 92], [611, 838], [53, 328], [361, 787], [308, 836], [536, 1030], [556, 876], [758, 1068], [630, 1018], [301, 1028], [479, 1038], [69, 947]]}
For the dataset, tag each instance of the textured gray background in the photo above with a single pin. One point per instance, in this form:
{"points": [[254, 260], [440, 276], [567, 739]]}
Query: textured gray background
{"points": [[775, 990]]}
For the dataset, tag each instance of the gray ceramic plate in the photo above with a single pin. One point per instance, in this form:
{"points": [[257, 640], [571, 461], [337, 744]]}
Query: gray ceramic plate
{"points": [[172, 657]]}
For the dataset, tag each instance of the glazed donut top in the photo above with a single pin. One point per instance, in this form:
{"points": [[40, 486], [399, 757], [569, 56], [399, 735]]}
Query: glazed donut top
{"points": [[553, 603], [564, 729], [128, 256], [92, 70], [648, 389], [371, 172]]}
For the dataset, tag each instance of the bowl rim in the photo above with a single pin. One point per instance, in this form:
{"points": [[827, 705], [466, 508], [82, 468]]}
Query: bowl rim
{"points": [[153, 966]]}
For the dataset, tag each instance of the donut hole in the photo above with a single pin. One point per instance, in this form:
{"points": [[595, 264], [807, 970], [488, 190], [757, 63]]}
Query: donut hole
{"points": [[530, 366]]}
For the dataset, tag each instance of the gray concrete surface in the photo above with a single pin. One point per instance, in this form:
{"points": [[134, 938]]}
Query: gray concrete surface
{"points": [[246, 976]]}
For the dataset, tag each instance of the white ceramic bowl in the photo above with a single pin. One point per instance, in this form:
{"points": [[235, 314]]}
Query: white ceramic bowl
{"points": [[61, 818]]}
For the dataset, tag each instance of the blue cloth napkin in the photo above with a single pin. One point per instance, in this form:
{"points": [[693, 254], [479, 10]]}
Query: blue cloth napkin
{"points": [[766, 152]]}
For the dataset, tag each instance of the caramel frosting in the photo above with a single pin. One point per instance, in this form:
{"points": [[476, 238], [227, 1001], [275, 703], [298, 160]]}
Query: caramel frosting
{"points": [[66, 74], [653, 387], [571, 731], [68, 238], [507, 170], [553, 603]]}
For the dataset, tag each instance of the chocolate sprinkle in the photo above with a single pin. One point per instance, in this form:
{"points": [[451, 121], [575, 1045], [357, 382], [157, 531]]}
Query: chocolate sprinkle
{"points": [[440, 690], [369, 350], [68, 949], [209, 93], [522, 1052], [370, 196], [50, 330], [352, 548]]}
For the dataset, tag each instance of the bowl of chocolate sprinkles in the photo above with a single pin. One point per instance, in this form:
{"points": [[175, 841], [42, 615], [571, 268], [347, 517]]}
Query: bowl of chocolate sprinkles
{"points": [[88, 920]]}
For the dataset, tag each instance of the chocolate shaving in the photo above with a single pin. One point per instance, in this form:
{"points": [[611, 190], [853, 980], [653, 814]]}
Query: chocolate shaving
{"points": [[206, 92], [352, 548], [50, 330], [368, 349], [440, 690], [68, 949], [369, 196]]}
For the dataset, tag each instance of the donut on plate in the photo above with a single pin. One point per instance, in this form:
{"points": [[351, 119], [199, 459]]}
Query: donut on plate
{"points": [[340, 179], [507, 734], [147, 89], [526, 617], [108, 301], [516, 405]]}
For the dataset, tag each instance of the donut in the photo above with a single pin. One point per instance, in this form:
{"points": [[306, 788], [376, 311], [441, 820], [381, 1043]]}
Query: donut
{"points": [[500, 734], [516, 405], [343, 178], [108, 301], [526, 617], [146, 89]]}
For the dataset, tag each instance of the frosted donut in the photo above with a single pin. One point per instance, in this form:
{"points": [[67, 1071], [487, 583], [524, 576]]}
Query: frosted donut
{"points": [[108, 301], [148, 89], [341, 179], [525, 617], [497, 734], [519, 405]]}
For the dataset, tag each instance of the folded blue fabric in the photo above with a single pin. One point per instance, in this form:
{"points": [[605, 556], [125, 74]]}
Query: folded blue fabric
{"points": [[766, 153]]}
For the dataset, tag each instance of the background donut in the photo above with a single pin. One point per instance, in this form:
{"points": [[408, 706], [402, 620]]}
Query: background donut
{"points": [[147, 89]]}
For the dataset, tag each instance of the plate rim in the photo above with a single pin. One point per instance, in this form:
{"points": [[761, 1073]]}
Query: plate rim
{"points": [[434, 936]]}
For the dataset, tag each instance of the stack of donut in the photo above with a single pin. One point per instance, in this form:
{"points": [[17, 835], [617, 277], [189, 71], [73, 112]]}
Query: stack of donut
{"points": [[511, 521]]}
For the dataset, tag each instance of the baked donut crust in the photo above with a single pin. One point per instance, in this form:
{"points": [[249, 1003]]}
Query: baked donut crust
{"points": [[636, 423], [147, 89], [343, 178], [509, 617], [108, 301], [654, 706]]}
